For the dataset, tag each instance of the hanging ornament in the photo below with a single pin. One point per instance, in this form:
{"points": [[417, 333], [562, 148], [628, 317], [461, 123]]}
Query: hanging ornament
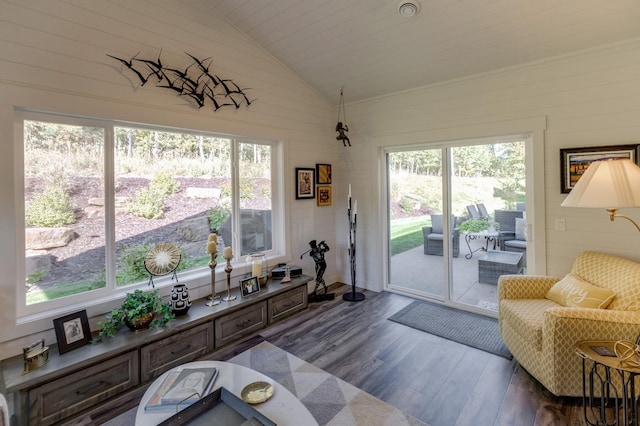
{"points": [[342, 127]]}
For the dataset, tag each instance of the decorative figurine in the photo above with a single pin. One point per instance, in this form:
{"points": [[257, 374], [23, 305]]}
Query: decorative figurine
{"points": [[342, 133], [342, 127], [317, 252]]}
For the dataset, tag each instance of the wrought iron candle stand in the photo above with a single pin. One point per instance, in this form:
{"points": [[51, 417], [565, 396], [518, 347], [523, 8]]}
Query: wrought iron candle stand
{"points": [[353, 296], [228, 269]]}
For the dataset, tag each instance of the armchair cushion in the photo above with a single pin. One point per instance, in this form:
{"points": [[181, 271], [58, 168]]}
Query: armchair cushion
{"points": [[574, 291]]}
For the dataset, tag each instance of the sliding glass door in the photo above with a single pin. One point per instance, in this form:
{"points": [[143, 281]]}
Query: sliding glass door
{"points": [[453, 213]]}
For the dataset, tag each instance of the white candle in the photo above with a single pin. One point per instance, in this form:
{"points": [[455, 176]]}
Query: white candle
{"points": [[256, 269], [355, 209], [227, 253], [212, 247], [213, 238]]}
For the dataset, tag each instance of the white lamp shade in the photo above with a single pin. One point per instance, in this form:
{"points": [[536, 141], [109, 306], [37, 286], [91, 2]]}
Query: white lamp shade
{"points": [[607, 184]]}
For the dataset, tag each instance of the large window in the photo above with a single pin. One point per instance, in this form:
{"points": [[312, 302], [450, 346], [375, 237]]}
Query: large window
{"points": [[98, 196]]}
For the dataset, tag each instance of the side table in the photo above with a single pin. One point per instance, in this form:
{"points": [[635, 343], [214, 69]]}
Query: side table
{"points": [[608, 386], [488, 236]]}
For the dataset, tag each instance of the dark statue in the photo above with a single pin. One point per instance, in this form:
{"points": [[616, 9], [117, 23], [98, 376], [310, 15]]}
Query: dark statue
{"points": [[342, 133], [317, 252]]}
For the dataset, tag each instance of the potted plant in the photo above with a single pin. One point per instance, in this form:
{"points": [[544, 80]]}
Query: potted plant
{"points": [[139, 310], [477, 225]]}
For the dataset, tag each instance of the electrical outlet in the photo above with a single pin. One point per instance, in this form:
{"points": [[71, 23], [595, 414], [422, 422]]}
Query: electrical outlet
{"points": [[560, 224]]}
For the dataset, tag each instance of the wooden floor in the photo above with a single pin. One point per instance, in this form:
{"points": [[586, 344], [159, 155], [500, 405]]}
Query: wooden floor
{"points": [[441, 382]]}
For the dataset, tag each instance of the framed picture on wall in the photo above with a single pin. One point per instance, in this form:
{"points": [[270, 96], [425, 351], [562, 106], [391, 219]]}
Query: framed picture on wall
{"points": [[323, 173], [323, 195], [575, 161], [72, 331], [305, 183]]}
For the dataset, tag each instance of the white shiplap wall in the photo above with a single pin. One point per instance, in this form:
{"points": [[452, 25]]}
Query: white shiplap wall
{"points": [[53, 58], [590, 98]]}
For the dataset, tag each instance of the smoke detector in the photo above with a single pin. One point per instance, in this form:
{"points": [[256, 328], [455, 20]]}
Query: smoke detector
{"points": [[409, 9]]}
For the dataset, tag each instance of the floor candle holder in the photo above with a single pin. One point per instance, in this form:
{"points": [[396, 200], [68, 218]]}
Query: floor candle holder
{"points": [[228, 269], [215, 299]]}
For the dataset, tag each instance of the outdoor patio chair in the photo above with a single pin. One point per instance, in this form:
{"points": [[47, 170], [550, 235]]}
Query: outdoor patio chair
{"points": [[506, 220], [482, 211], [473, 212], [433, 237], [519, 242]]}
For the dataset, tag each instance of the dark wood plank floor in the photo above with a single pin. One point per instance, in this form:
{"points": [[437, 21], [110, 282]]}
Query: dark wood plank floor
{"points": [[441, 382]]}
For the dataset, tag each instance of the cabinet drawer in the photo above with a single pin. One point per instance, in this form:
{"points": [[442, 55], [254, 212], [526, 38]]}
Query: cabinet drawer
{"points": [[59, 399], [240, 323], [158, 357], [287, 303]]}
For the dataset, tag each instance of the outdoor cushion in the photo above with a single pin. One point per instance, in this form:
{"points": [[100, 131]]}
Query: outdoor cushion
{"points": [[521, 225], [574, 291]]}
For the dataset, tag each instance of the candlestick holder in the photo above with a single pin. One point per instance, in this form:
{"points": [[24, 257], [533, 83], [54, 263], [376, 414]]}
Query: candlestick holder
{"points": [[228, 269], [215, 299], [353, 296]]}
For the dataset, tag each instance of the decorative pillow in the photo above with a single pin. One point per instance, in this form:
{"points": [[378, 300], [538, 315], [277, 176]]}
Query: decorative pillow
{"points": [[521, 225], [573, 291]]}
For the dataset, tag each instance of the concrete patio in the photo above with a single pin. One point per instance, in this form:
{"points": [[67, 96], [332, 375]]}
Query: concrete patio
{"points": [[416, 273]]}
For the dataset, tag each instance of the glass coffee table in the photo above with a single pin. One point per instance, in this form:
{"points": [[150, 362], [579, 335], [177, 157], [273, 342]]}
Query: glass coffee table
{"points": [[283, 408]]}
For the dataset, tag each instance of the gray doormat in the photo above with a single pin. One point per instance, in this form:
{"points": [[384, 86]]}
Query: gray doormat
{"points": [[470, 329]]}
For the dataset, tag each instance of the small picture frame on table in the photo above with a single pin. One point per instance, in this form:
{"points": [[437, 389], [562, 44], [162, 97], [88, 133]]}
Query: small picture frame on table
{"points": [[305, 183], [249, 286], [575, 161], [323, 173], [72, 331], [323, 195]]}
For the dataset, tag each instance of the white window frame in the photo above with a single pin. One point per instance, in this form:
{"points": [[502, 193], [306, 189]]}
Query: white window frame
{"points": [[102, 300]]}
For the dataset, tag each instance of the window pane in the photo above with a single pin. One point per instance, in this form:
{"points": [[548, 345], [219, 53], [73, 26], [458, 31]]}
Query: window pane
{"points": [[64, 210], [255, 197], [170, 188]]}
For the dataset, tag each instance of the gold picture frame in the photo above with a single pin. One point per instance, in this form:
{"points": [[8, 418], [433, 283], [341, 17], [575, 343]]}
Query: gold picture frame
{"points": [[323, 195], [323, 173]]}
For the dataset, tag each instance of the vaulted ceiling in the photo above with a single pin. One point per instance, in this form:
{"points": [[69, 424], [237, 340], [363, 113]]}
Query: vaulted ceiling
{"points": [[368, 48]]}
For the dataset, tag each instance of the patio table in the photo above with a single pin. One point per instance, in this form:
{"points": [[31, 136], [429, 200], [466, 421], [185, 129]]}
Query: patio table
{"points": [[488, 236]]}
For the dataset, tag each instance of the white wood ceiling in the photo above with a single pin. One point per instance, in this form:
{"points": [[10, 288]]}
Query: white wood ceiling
{"points": [[366, 47]]}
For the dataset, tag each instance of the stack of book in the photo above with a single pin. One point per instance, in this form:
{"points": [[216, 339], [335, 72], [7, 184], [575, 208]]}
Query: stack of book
{"points": [[182, 388]]}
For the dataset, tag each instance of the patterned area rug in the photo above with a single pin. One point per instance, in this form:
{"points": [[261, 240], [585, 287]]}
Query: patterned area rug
{"points": [[330, 400], [470, 329]]}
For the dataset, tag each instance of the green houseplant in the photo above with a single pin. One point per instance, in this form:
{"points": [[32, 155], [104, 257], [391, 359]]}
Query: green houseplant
{"points": [[139, 310], [476, 225]]}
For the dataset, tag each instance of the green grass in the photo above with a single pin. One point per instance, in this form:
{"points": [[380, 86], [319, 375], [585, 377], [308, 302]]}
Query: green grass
{"points": [[407, 233]]}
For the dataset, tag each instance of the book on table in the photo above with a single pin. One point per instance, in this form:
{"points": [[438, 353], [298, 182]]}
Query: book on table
{"points": [[182, 388]]}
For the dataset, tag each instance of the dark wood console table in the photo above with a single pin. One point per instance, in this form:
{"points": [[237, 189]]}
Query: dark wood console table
{"points": [[93, 375]]}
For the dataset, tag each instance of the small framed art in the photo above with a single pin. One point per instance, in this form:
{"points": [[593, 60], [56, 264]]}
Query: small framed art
{"points": [[249, 286], [323, 173], [575, 161], [305, 183], [323, 195], [72, 331]]}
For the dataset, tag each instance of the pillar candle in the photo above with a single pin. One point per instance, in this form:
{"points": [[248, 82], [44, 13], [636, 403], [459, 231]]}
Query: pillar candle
{"points": [[256, 269], [227, 253], [212, 247]]}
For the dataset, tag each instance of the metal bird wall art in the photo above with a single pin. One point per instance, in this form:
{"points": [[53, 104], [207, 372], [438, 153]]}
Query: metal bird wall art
{"points": [[196, 83]]}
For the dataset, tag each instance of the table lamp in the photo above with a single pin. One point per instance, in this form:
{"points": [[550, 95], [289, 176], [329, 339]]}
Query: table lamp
{"points": [[608, 184]]}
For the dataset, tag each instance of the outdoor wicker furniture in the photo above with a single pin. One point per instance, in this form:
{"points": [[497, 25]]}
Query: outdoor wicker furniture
{"points": [[496, 263], [433, 237]]}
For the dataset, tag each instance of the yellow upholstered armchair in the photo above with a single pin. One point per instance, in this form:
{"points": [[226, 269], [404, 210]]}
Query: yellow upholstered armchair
{"points": [[541, 333]]}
